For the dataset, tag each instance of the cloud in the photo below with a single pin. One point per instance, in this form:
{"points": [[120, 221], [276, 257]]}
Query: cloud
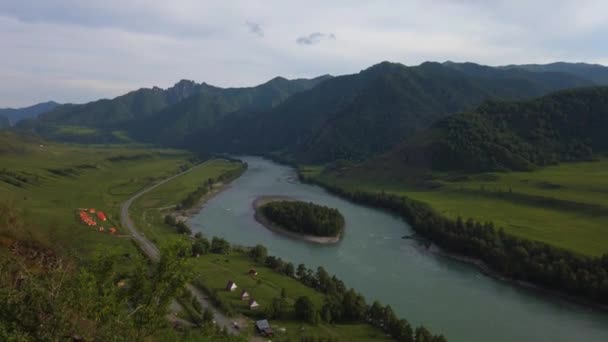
{"points": [[76, 51], [314, 38], [255, 28]]}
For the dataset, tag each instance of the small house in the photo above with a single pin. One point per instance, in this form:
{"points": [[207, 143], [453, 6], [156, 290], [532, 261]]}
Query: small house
{"points": [[253, 304], [112, 230], [231, 286], [244, 295], [252, 272], [263, 328]]}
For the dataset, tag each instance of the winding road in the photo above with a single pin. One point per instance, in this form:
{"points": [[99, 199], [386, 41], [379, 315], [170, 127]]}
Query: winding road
{"points": [[152, 252]]}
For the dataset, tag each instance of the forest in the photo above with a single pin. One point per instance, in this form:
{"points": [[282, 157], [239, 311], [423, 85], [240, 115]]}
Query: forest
{"points": [[305, 218]]}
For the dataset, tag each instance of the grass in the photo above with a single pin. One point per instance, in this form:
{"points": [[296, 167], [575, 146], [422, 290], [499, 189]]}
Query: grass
{"points": [[565, 205], [214, 271], [148, 211], [48, 181]]}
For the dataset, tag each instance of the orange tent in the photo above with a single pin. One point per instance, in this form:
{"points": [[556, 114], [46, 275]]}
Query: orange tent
{"points": [[101, 216]]}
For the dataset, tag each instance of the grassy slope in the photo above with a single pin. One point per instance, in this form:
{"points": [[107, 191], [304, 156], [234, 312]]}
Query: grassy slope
{"points": [[565, 205], [146, 210], [49, 202], [214, 271]]}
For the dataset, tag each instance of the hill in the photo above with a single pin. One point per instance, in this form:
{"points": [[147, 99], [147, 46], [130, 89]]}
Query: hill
{"points": [[4, 122], [306, 121], [158, 115], [175, 124], [14, 115], [593, 72], [356, 116], [498, 135]]}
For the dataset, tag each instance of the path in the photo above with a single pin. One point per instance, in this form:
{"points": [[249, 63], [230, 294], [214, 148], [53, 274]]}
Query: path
{"points": [[152, 252]]}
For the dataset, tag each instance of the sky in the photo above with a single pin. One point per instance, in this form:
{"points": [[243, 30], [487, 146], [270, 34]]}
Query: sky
{"points": [[82, 50]]}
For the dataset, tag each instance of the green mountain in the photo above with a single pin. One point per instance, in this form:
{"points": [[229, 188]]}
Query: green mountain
{"points": [[163, 116], [14, 115], [4, 122], [308, 121], [357, 116], [116, 112], [174, 125], [593, 72], [568, 125]]}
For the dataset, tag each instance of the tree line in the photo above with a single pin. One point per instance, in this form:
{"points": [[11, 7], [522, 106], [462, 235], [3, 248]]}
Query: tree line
{"points": [[306, 218], [192, 199], [531, 261], [341, 305]]}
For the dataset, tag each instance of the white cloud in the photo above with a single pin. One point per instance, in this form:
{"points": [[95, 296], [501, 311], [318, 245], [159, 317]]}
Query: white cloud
{"points": [[72, 50]]}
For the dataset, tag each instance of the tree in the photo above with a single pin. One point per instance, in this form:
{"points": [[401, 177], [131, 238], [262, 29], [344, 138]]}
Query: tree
{"points": [[182, 228], [305, 310], [219, 246], [258, 253], [277, 308], [151, 291], [200, 246], [170, 220], [289, 270], [301, 271], [207, 315]]}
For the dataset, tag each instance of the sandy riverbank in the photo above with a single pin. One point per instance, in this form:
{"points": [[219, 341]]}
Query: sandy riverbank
{"points": [[263, 220]]}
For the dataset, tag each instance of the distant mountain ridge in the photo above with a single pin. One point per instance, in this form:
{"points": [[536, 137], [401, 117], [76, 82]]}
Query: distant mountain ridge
{"points": [[316, 120], [594, 72], [14, 115], [360, 115], [184, 104]]}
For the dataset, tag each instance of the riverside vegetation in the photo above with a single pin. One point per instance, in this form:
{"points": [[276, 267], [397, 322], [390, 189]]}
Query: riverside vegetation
{"points": [[533, 261], [304, 218], [217, 262]]}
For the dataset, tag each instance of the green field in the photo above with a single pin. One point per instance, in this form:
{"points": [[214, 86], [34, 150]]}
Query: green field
{"points": [[216, 270], [564, 205], [48, 182], [148, 211]]}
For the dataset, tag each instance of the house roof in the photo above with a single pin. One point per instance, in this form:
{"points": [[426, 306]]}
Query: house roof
{"points": [[262, 324]]}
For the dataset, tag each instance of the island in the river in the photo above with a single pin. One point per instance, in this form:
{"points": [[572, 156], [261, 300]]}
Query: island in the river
{"points": [[301, 220]]}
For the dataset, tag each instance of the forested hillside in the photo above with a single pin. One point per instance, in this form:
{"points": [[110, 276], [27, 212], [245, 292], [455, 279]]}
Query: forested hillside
{"points": [[15, 115], [161, 116], [319, 120], [175, 124], [4, 122], [565, 126], [593, 72], [357, 116]]}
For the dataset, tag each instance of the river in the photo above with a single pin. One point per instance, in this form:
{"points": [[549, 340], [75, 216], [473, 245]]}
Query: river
{"points": [[445, 295]]}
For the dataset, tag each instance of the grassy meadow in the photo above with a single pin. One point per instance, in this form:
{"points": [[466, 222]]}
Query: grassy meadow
{"points": [[564, 205], [214, 271], [148, 211], [47, 182]]}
